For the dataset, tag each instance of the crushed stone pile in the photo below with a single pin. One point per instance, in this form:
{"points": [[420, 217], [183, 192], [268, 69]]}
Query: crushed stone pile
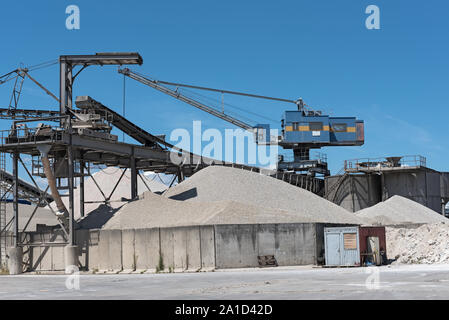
{"points": [[398, 210], [41, 216], [217, 183], [425, 244], [106, 179], [154, 210]]}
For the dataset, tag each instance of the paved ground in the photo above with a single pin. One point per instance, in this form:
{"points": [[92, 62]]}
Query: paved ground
{"points": [[395, 282]]}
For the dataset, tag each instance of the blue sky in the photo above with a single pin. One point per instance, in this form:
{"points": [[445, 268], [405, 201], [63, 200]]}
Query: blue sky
{"points": [[395, 78]]}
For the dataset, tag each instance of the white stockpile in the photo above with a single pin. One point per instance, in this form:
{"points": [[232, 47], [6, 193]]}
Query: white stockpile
{"points": [[106, 179], [425, 244], [218, 183], [398, 210], [224, 195], [153, 210], [41, 216]]}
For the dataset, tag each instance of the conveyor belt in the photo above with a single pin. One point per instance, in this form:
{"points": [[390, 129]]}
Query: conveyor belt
{"points": [[21, 114], [122, 123], [28, 191]]}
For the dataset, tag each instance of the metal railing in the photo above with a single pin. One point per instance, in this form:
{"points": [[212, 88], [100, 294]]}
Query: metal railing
{"points": [[319, 156], [385, 162], [25, 135]]}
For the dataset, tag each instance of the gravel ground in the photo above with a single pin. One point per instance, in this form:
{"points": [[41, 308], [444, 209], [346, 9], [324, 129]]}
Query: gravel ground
{"points": [[395, 282]]}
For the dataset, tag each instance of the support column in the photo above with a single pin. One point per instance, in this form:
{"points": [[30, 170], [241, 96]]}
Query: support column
{"points": [[82, 186], [71, 202], [15, 172], [133, 178], [15, 260], [71, 250], [65, 87]]}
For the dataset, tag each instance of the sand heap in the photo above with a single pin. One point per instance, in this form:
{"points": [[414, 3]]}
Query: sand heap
{"points": [[425, 244], [41, 216], [217, 183], [399, 210], [153, 210], [106, 179]]}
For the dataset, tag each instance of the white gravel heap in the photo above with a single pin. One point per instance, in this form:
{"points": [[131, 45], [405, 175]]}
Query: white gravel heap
{"points": [[153, 210], [106, 179], [41, 216], [425, 244], [399, 210], [218, 183]]}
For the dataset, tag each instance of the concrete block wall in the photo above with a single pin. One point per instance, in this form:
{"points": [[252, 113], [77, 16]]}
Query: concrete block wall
{"points": [[41, 257], [181, 249], [141, 250], [238, 246]]}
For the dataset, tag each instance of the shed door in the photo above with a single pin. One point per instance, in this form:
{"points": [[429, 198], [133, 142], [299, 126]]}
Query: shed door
{"points": [[333, 249]]}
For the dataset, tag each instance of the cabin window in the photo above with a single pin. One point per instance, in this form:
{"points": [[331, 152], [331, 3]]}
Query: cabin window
{"points": [[339, 127], [295, 126], [316, 126]]}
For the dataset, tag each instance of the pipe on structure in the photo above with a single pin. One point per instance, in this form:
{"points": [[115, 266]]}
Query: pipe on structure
{"points": [[44, 149]]}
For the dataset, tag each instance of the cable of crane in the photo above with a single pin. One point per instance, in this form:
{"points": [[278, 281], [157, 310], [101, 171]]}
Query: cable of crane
{"points": [[31, 68], [218, 90], [229, 113], [225, 91], [230, 105], [42, 65]]}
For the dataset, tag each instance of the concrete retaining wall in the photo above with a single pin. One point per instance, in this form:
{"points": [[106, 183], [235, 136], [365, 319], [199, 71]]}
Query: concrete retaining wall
{"points": [[238, 246], [180, 249], [148, 250]]}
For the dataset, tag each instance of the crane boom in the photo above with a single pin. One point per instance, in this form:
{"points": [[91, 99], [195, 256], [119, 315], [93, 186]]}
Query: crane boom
{"points": [[175, 94]]}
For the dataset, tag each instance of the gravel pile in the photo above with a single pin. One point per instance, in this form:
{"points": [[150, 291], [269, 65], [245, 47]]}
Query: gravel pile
{"points": [[217, 183], [153, 210], [425, 244], [106, 179], [42, 216], [399, 210]]}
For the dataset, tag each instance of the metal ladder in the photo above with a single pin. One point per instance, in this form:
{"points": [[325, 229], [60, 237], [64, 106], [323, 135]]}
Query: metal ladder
{"points": [[3, 191]]}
